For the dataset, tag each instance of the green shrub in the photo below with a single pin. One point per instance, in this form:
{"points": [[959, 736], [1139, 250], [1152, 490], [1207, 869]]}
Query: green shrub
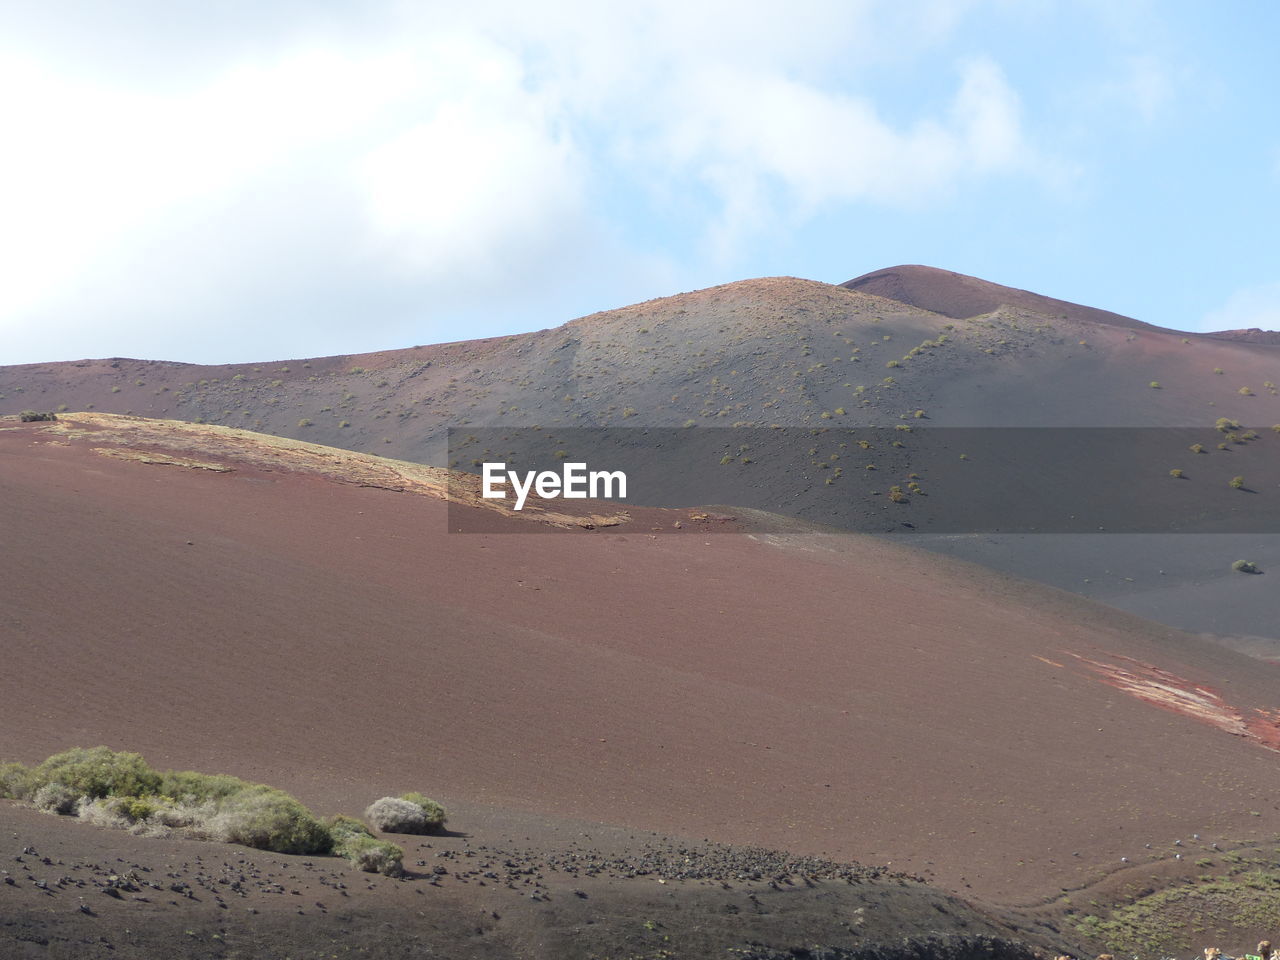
{"points": [[118, 789], [15, 782], [371, 854], [1237, 483], [1245, 566], [31, 416], [55, 798], [341, 827], [410, 813], [269, 819], [192, 787], [140, 808], [434, 812], [98, 772], [396, 815], [1175, 473], [103, 813], [123, 812], [353, 840]]}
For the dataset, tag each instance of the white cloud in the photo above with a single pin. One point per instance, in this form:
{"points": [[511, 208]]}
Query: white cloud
{"points": [[442, 154], [484, 172], [1257, 306], [775, 150]]}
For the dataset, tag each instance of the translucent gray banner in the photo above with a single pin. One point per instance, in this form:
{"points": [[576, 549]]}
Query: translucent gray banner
{"points": [[908, 477]]}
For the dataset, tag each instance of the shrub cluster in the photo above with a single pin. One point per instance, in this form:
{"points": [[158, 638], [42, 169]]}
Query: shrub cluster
{"points": [[353, 840], [31, 416], [408, 813], [119, 789]]}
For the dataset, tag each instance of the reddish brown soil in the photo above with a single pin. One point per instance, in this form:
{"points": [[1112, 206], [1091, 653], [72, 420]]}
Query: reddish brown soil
{"points": [[814, 693], [960, 296]]}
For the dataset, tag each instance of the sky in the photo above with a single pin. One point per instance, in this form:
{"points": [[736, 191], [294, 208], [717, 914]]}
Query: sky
{"points": [[270, 179]]}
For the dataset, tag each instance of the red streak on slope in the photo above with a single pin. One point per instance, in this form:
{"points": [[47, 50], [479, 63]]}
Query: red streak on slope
{"points": [[1171, 692]]}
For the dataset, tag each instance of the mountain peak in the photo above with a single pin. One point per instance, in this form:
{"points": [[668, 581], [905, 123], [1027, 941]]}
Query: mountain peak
{"points": [[960, 296]]}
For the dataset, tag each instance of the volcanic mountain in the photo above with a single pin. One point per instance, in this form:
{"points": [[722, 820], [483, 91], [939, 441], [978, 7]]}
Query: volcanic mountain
{"points": [[818, 692], [776, 350], [910, 344], [962, 297], [223, 600]]}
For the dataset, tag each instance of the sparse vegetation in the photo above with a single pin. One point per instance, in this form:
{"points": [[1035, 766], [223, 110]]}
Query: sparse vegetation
{"points": [[31, 416], [410, 813], [434, 812], [353, 840], [1245, 566], [1151, 925], [119, 789], [1237, 483]]}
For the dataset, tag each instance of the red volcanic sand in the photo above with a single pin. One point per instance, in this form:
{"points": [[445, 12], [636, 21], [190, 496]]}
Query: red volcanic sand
{"points": [[959, 295], [817, 693]]}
